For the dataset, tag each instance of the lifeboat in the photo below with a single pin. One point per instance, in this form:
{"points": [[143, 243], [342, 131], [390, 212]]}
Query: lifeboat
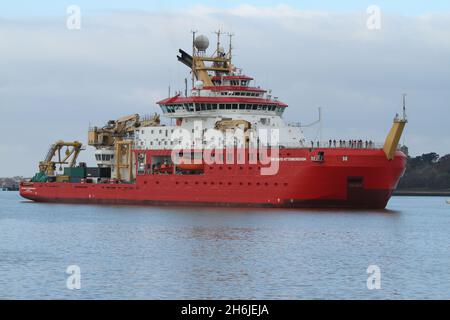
{"points": [[188, 165]]}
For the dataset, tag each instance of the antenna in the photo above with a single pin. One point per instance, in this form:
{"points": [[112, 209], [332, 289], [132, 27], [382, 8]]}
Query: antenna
{"points": [[218, 32], [320, 124], [230, 35], [193, 55], [315, 122], [185, 87], [404, 106]]}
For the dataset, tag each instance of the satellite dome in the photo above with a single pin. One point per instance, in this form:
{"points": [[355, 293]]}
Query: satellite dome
{"points": [[198, 84], [201, 42]]}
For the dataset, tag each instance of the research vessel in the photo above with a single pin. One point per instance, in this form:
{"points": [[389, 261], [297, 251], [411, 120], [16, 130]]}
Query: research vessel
{"points": [[225, 143]]}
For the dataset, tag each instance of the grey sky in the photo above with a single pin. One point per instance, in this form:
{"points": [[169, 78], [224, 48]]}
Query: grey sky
{"points": [[55, 82]]}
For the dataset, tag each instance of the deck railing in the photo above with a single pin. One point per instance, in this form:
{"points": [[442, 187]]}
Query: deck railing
{"points": [[312, 144]]}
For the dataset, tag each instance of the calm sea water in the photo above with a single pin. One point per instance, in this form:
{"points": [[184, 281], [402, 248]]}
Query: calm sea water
{"points": [[207, 253]]}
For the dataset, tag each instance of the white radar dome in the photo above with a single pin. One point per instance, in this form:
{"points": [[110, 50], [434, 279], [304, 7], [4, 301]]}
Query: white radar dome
{"points": [[198, 84], [201, 42]]}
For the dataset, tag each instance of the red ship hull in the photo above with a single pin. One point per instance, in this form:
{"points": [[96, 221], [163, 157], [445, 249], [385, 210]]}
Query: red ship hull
{"points": [[349, 178]]}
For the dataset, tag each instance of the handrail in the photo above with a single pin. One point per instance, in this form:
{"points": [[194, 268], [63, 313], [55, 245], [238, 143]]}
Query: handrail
{"points": [[314, 145]]}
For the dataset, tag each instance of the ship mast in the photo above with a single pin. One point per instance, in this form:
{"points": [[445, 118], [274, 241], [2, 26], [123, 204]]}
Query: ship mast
{"points": [[201, 64], [193, 54]]}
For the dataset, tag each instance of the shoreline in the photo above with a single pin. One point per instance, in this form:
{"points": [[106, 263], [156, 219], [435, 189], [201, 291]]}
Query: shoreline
{"points": [[422, 193]]}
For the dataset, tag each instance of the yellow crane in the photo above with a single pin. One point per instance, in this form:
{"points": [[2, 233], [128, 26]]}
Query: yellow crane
{"points": [[394, 135], [48, 166]]}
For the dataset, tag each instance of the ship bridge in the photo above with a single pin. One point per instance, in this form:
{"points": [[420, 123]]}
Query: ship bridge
{"points": [[220, 92]]}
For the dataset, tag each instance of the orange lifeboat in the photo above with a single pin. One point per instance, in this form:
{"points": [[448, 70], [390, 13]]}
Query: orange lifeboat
{"points": [[187, 164]]}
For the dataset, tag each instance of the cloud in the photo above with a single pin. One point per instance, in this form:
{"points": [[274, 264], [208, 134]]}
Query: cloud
{"points": [[54, 82]]}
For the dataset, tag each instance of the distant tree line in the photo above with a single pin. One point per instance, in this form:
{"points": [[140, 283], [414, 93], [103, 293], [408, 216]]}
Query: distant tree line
{"points": [[427, 172]]}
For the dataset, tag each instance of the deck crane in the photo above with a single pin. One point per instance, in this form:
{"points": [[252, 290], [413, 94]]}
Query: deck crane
{"points": [[47, 167]]}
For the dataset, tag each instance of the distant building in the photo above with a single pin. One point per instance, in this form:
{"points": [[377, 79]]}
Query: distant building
{"points": [[10, 184]]}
